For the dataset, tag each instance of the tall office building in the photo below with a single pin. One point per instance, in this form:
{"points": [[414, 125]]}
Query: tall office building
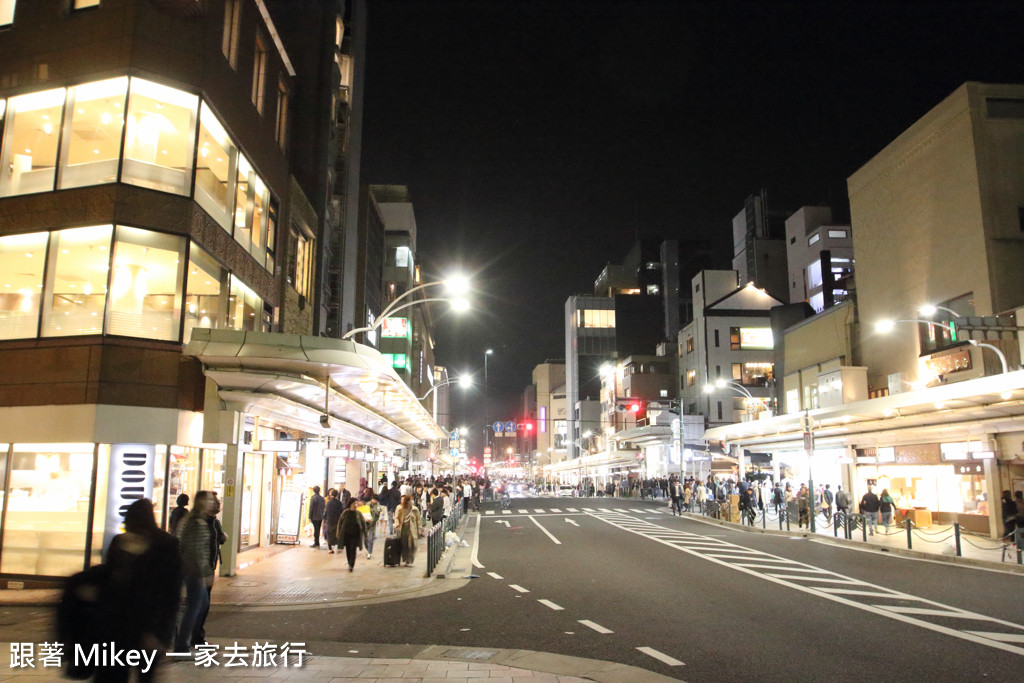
{"points": [[820, 258], [759, 246]]}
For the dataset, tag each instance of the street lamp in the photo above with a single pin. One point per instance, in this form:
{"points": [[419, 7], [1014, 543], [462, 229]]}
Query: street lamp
{"points": [[886, 326], [457, 287], [727, 384]]}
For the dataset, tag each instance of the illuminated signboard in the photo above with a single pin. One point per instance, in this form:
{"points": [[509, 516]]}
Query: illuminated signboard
{"points": [[756, 338], [396, 360], [395, 327]]}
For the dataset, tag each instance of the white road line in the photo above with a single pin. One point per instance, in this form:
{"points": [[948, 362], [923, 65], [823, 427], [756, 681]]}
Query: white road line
{"points": [[506, 512], [660, 656], [556, 510], [596, 627], [571, 522], [821, 579], [924, 611], [557, 542], [524, 512], [489, 512], [495, 576], [854, 591], [476, 545], [538, 511], [548, 603], [503, 521], [588, 509], [889, 611], [571, 510], [518, 588], [1001, 637]]}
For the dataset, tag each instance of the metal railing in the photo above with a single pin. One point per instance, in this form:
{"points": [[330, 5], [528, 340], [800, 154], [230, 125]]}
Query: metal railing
{"points": [[436, 534], [847, 524]]}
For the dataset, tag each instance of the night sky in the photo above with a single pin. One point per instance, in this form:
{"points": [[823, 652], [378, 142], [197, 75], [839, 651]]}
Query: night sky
{"points": [[539, 139]]}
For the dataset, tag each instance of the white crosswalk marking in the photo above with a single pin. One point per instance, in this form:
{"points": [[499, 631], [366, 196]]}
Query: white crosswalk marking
{"points": [[506, 512], [489, 512], [571, 510], [596, 627], [660, 656], [556, 510], [814, 581], [524, 512], [538, 511]]}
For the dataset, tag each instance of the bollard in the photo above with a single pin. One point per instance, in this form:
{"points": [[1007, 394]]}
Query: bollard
{"points": [[910, 540], [1018, 540], [864, 528], [956, 535], [835, 525], [764, 518]]}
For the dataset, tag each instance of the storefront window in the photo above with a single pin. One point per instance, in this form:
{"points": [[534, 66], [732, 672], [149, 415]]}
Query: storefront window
{"points": [[31, 133], [76, 282], [937, 488], [22, 259], [159, 488], [213, 472], [92, 133], [182, 476], [159, 140], [46, 526], [244, 307], [260, 197], [203, 307], [215, 164], [145, 289], [252, 499]]}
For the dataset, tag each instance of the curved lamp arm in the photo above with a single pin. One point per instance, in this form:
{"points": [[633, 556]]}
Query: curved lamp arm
{"points": [[972, 342], [388, 311]]}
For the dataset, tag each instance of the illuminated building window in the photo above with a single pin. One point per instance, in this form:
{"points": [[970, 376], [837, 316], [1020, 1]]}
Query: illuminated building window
{"points": [[22, 259], [7, 12], [691, 377], [245, 309], [752, 374], [750, 338], [92, 133], [82, 4], [229, 37], [837, 234], [300, 265], [214, 163], [689, 344], [159, 137], [203, 307], [76, 285], [595, 318], [813, 239], [146, 284], [31, 131]]}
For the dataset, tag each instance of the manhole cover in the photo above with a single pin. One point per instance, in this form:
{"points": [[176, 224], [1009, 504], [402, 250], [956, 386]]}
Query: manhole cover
{"points": [[468, 653]]}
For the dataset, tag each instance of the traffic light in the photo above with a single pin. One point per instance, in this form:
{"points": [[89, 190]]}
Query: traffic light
{"points": [[637, 409]]}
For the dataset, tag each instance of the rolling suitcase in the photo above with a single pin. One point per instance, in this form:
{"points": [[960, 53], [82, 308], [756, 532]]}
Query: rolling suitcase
{"points": [[392, 552]]}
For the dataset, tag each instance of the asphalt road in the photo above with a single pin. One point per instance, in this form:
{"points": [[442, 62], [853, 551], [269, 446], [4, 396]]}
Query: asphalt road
{"points": [[704, 602]]}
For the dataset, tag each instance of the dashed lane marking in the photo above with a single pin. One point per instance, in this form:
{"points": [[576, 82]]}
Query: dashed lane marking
{"points": [[1001, 634], [548, 603], [495, 576], [660, 656], [596, 627], [517, 587]]}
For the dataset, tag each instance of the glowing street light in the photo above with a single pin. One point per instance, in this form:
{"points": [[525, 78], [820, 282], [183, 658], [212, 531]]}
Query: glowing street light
{"points": [[727, 384], [886, 326], [456, 286]]}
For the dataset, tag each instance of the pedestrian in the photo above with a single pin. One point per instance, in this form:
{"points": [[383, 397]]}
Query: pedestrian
{"points": [[869, 508], [777, 497], [194, 537], [139, 597], [826, 501], [687, 496], [467, 494], [702, 497], [351, 531], [332, 513], [408, 524], [217, 539], [1009, 516], [887, 506], [803, 506], [316, 515], [436, 507], [390, 499], [178, 513], [842, 500], [1018, 500], [371, 524]]}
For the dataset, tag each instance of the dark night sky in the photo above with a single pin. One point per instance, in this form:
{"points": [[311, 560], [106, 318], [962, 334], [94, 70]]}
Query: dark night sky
{"points": [[539, 138]]}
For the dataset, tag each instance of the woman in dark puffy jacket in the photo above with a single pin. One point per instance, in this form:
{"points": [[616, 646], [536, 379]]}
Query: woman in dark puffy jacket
{"points": [[351, 530]]}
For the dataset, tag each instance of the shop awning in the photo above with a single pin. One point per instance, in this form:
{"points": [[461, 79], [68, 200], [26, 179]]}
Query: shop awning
{"points": [[283, 377], [593, 462], [649, 435], [972, 408]]}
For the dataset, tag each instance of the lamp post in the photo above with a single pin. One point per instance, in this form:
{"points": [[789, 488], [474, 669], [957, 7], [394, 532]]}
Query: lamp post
{"points": [[487, 432], [465, 382], [885, 326], [457, 287]]}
